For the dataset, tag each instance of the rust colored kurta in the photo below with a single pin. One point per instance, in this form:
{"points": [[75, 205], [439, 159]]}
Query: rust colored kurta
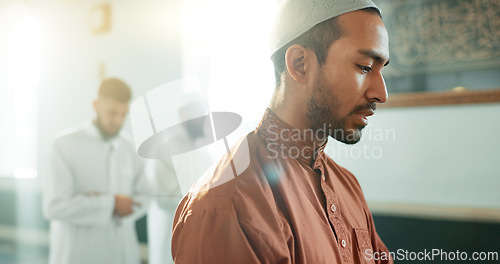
{"points": [[293, 204]]}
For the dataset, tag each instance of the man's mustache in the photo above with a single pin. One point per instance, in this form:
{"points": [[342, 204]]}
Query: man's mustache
{"points": [[360, 108]]}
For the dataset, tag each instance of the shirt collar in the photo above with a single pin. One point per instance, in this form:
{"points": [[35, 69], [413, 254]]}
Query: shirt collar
{"points": [[288, 141]]}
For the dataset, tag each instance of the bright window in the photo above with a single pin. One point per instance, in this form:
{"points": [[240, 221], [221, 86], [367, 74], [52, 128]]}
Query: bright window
{"points": [[226, 43], [19, 79]]}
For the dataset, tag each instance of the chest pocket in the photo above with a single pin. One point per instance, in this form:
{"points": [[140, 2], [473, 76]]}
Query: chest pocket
{"points": [[364, 245]]}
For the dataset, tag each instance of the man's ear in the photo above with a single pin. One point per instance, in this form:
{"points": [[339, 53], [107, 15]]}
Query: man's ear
{"points": [[299, 63], [95, 104]]}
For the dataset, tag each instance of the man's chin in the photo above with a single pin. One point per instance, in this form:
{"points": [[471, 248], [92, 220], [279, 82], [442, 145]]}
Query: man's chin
{"points": [[349, 136], [108, 134]]}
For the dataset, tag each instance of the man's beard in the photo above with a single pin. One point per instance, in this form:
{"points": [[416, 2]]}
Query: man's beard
{"points": [[105, 135], [323, 108]]}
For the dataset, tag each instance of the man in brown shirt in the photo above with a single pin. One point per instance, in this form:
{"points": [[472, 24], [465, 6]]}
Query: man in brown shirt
{"points": [[294, 204]]}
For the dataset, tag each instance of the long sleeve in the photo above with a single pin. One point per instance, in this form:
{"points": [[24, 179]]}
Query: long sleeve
{"points": [[61, 202]]}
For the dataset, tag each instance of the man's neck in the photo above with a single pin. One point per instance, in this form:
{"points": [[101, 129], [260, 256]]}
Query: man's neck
{"points": [[292, 112]]}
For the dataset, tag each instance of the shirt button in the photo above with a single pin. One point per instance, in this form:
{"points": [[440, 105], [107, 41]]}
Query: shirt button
{"points": [[323, 177], [333, 208], [343, 243]]}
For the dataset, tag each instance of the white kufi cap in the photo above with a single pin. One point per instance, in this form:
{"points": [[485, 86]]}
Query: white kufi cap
{"points": [[296, 17]]}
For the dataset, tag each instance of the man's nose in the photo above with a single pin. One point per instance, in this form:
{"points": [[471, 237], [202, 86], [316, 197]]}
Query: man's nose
{"points": [[377, 90]]}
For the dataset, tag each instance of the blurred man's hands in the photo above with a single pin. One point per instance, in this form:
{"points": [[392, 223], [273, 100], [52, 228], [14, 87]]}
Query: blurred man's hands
{"points": [[123, 205]]}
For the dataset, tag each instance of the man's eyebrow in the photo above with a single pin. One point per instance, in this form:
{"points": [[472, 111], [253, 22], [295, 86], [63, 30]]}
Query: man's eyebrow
{"points": [[375, 55]]}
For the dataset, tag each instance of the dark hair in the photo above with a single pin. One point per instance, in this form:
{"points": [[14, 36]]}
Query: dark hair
{"points": [[318, 39], [116, 89]]}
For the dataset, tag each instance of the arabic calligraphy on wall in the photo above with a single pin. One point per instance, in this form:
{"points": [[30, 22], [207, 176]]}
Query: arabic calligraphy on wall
{"points": [[442, 35]]}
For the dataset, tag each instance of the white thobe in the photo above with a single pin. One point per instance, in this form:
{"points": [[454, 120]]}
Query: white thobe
{"points": [[86, 174]]}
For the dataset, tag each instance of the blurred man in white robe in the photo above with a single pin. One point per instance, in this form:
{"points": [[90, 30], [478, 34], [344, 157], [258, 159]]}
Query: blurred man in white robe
{"points": [[172, 176], [97, 187]]}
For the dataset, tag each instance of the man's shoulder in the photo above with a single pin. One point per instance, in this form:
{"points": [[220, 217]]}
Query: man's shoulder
{"points": [[238, 175], [70, 134], [228, 210]]}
